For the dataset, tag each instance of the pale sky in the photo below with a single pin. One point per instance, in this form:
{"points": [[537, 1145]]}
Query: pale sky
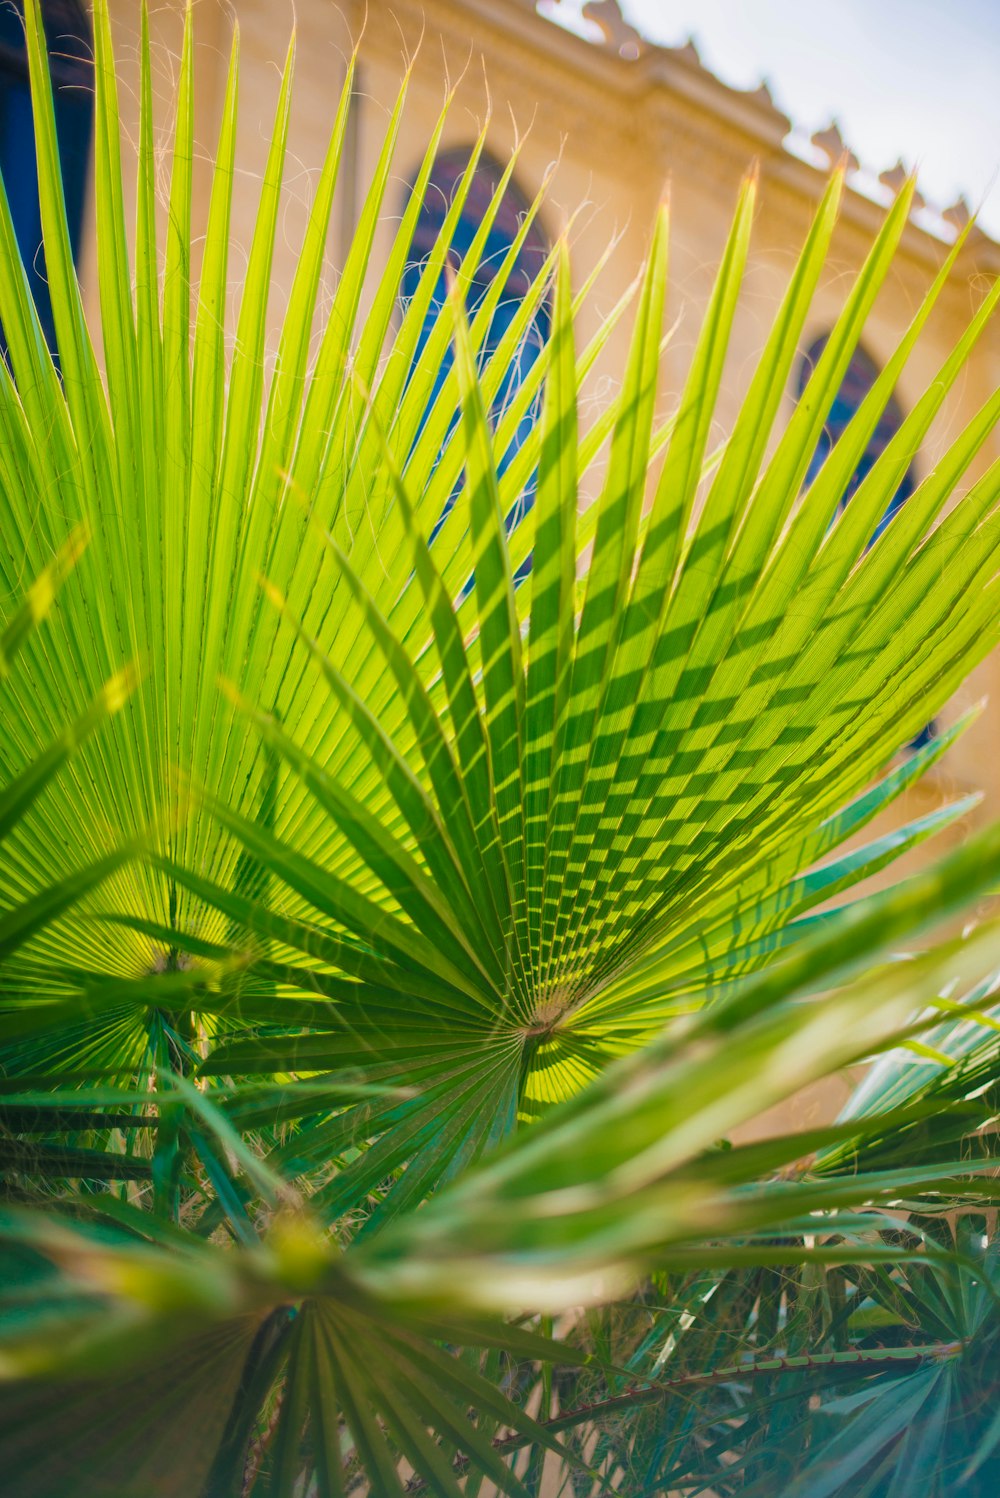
{"points": [[918, 79]]}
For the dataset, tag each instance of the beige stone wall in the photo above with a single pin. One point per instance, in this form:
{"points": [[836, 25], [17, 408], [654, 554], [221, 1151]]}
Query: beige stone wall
{"points": [[619, 132]]}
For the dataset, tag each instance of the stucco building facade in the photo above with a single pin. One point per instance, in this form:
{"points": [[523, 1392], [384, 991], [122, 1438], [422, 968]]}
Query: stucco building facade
{"points": [[610, 123], [604, 126]]}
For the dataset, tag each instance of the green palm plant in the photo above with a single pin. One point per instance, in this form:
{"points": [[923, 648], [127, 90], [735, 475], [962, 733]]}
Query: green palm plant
{"points": [[507, 907], [142, 1356]]}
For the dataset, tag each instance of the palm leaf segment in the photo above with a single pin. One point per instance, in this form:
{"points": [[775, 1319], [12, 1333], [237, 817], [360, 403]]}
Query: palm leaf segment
{"points": [[597, 784], [516, 827], [345, 1393], [191, 473]]}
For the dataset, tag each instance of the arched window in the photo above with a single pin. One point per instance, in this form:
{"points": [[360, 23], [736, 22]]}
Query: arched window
{"points": [[861, 375], [449, 168], [68, 35]]}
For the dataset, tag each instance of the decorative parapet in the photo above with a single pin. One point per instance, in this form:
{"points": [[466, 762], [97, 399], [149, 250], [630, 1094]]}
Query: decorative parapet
{"points": [[959, 215], [681, 70], [834, 148], [618, 34], [894, 177]]}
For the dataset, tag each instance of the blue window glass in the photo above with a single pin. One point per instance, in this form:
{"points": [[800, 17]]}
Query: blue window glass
{"points": [[859, 379], [448, 171], [68, 35], [861, 375]]}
